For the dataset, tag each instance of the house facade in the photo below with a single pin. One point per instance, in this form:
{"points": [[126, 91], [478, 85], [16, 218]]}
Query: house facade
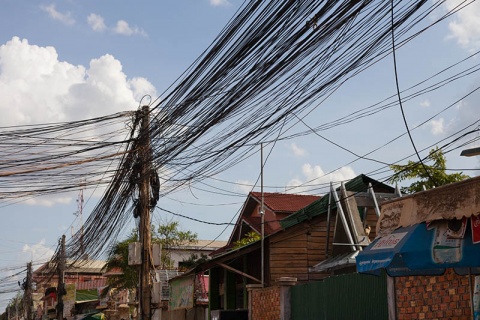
{"points": [[296, 245], [83, 281]]}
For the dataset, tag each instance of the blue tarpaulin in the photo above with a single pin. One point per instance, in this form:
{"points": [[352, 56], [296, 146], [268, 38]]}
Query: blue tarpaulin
{"points": [[418, 250]]}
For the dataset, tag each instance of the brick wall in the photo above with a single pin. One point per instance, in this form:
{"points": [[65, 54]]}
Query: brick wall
{"points": [[433, 297], [266, 303]]}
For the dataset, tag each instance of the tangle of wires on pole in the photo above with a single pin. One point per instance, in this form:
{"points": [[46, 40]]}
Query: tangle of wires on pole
{"points": [[274, 61]]}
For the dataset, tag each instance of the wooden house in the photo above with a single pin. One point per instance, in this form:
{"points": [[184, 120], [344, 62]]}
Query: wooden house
{"points": [[310, 244]]}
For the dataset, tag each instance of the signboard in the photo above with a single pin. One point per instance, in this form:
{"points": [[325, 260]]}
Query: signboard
{"points": [[181, 293], [390, 241], [452, 201], [475, 229]]}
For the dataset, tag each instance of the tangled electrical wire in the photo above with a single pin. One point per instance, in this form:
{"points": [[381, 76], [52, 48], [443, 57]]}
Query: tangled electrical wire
{"points": [[274, 61]]}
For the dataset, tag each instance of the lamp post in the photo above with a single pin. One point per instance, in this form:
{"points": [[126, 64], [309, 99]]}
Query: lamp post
{"points": [[470, 152]]}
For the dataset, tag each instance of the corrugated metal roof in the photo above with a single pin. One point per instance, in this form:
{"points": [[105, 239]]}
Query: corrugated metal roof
{"points": [[357, 184], [338, 262], [85, 266]]}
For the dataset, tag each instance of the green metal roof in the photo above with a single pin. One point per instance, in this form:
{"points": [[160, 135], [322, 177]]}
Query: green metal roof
{"points": [[316, 208]]}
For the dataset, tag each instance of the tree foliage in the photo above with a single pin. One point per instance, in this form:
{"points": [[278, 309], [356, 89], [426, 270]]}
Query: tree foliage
{"points": [[167, 234], [15, 307], [250, 237], [127, 277], [170, 237], [193, 261], [430, 176]]}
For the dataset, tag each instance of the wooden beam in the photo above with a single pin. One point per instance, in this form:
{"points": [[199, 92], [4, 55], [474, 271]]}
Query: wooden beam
{"points": [[223, 265]]}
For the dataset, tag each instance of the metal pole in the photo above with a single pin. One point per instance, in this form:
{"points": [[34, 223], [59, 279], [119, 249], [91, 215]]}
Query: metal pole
{"points": [[372, 192], [329, 213], [343, 218], [145, 232], [262, 213]]}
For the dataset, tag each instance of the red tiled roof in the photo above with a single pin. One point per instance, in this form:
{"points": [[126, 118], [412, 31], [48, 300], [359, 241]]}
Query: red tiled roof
{"points": [[285, 202]]}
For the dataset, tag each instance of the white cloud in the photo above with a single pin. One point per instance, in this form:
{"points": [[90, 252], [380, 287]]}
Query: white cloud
{"points": [[96, 22], [48, 201], [465, 25], [38, 88], [297, 151], [425, 103], [123, 28], [437, 126], [243, 186], [37, 252], [217, 3], [65, 18], [314, 177]]}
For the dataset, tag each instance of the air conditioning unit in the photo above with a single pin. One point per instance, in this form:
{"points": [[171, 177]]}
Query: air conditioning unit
{"points": [[157, 254], [134, 254]]}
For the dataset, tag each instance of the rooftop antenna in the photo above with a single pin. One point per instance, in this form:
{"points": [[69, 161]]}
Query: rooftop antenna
{"points": [[79, 212]]}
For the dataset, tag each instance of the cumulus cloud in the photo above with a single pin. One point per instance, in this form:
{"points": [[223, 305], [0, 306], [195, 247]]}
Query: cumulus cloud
{"points": [[37, 252], [437, 127], [465, 25], [425, 103], [48, 201], [65, 18], [297, 151], [313, 176], [96, 22], [217, 3], [243, 186], [38, 88], [123, 28]]}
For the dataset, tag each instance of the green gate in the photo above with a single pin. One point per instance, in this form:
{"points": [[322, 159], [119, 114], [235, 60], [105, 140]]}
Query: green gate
{"points": [[350, 296]]}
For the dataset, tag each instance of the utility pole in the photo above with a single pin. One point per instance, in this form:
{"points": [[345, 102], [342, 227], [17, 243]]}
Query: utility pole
{"points": [[145, 225], [28, 292], [262, 213], [61, 278]]}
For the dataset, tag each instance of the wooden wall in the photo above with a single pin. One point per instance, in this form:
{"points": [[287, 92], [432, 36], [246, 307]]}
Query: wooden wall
{"points": [[294, 251]]}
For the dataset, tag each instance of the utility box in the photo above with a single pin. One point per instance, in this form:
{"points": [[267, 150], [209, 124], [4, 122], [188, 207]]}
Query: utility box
{"points": [[156, 292], [157, 254], [157, 314], [134, 254]]}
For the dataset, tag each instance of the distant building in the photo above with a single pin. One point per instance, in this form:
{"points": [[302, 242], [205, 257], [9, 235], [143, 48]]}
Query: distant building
{"points": [[205, 247], [84, 279]]}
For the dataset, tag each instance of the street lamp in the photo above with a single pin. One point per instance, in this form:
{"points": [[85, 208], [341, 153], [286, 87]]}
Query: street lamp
{"points": [[470, 152]]}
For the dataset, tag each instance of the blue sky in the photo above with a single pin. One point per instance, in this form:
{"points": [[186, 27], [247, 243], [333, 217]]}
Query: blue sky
{"points": [[127, 49]]}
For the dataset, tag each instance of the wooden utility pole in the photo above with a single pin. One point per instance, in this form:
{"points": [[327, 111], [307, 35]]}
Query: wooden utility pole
{"points": [[145, 225], [28, 292], [61, 265]]}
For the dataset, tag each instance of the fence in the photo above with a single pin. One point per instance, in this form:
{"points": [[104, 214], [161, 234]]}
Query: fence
{"points": [[350, 296]]}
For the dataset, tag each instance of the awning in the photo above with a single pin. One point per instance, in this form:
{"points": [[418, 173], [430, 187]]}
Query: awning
{"points": [[418, 250], [337, 262], [83, 296]]}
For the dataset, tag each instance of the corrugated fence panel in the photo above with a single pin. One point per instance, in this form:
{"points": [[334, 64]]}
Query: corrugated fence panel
{"points": [[350, 296]]}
